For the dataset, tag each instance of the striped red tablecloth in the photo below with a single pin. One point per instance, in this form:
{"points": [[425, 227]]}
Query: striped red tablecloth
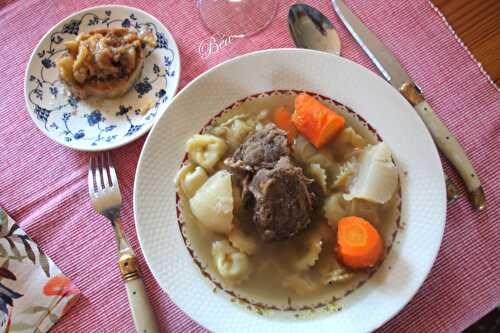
{"points": [[43, 185]]}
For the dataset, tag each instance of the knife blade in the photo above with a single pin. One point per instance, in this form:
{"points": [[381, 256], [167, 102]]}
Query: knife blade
{"points": [[393, 72]]}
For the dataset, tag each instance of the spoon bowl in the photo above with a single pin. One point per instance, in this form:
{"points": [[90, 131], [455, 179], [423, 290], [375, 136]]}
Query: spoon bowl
{"points": [[310, 29]]}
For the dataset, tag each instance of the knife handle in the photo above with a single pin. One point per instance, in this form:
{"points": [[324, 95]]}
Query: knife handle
{"points": [[142, 312], [452, 149]]}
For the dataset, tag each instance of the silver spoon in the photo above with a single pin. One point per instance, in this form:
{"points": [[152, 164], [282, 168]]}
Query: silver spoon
{"points": [[310, 29]]}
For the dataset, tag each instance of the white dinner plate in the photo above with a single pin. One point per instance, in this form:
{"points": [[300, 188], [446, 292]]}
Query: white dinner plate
{"points": [[100, 124], [422, 184]]}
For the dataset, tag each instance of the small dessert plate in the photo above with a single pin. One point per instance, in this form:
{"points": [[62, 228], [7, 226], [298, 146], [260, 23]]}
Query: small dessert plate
{"points": [[100, 124]]}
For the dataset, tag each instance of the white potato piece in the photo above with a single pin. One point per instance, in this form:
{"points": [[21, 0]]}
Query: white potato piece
{"points": [[212, 205], [377, 177], [231, 264], [206, 149], [190, 178]]}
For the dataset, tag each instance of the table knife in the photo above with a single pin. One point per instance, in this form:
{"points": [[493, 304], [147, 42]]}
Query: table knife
{"points": [[394, 73]]}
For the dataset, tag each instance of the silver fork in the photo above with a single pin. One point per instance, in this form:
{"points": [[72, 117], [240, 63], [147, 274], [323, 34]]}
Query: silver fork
{"points": [[107, 200]]}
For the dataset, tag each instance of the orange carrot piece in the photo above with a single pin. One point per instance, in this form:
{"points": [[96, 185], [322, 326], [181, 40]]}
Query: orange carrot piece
{"points": [[283, 119], [315, 121], [359, 244]]}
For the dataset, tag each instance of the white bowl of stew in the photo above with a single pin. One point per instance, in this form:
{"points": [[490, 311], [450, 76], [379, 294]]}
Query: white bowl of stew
{"points": [[284, 288]]}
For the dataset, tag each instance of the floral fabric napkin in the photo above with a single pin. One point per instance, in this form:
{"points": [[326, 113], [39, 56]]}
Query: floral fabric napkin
{"points": [[34, 293]]}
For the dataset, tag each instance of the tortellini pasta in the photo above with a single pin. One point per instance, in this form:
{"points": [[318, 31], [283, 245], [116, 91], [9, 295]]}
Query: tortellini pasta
{"points": [[212, 205], [334, 209], [245, 243], [206, 150], [231, 264], [318, 174], [190, 178], [301, 285], [235, 130]]}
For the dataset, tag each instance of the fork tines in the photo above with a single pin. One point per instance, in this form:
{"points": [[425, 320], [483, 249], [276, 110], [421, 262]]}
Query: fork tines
{"points": [[99, 175]]}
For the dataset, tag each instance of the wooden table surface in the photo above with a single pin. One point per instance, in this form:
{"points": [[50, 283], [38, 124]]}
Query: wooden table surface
{"points": [[477, 23]]}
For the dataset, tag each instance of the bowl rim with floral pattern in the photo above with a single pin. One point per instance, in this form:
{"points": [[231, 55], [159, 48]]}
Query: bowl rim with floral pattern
{"points": [[101, 124]]}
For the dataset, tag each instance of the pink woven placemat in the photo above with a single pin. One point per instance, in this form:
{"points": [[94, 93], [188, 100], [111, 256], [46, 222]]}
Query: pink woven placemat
{"points": [[43, 185]]}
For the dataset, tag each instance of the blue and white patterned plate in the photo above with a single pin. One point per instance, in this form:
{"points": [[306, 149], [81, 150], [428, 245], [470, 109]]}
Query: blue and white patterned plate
{"points": [[100, 124]]}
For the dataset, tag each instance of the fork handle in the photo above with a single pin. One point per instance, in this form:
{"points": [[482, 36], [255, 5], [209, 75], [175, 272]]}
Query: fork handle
{"points": [[142, 312]]}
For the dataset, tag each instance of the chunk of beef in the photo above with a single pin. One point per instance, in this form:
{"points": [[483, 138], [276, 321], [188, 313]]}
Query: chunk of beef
{"points": [[261, 150], [281, 199]]}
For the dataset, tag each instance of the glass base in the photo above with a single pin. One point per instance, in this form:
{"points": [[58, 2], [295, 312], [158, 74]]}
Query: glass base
{"points": [[237, 18]]}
